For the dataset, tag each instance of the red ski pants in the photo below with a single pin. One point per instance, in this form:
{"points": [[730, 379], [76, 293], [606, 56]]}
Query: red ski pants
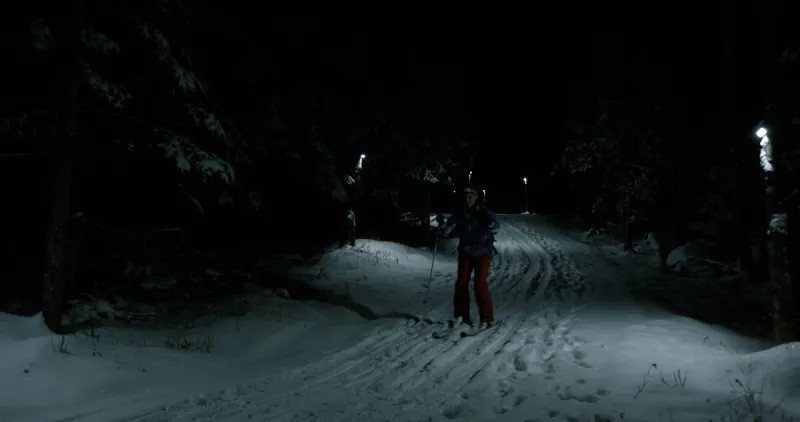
{"points": [[466, 265]]}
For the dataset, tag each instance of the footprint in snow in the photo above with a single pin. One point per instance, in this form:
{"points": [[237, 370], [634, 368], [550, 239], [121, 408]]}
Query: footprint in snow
{"points": [[567, 394], [509, 405], [579, 356], [504, 388], [452, 412], [586, 398]]}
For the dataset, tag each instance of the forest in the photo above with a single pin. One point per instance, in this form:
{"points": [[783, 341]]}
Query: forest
{"points": [[160, 139]]}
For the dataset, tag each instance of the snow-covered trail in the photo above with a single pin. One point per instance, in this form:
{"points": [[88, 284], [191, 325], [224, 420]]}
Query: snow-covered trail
{"points": [[574, 346], [400, 371]]}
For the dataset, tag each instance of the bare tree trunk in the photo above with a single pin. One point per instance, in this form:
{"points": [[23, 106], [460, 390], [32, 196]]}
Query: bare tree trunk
{"points": [[626, 221], [62, 161], [75, 240]]}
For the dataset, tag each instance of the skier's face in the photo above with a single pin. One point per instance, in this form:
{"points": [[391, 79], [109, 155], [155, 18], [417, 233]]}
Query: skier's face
{"points": [[470, 199]]}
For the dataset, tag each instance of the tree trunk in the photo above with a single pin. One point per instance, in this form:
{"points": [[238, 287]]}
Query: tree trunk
{"points": [[75, 240], [349, 222], [783, 309], [349, 231], [62, 161], [793, 267], [781, 287], [626, 221]]}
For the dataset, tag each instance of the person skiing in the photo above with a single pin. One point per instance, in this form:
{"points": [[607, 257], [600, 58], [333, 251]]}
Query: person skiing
{"points": [[475, 226]]}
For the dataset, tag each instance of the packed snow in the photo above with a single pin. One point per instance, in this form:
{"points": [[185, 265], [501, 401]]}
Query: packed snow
{"points": [[577, 344]]}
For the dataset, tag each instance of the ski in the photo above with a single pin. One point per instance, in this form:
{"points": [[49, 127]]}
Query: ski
{"points": [[430, 321], [451, 327], [480, 330]]}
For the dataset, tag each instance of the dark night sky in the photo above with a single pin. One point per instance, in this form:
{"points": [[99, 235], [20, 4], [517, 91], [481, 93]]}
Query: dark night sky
{"points": [[518, 79], [514, 76]]}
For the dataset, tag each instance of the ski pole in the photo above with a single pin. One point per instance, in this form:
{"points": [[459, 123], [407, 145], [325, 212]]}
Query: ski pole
{"points": [[433, 262]]}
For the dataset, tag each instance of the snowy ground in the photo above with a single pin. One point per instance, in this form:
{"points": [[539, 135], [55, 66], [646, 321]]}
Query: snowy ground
{"points": [[575, 346]]}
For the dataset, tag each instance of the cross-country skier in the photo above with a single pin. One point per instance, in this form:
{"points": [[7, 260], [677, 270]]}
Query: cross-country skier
{"points": [[475, 225]]}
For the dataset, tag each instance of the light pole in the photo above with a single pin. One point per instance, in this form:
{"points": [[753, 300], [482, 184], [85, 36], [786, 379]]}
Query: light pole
{"points": [[352, 202], [484, 195], [525, 181], [469, 177], [360, 162]]}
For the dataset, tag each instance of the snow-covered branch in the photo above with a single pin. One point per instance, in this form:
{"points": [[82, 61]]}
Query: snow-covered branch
{"points": [[432, 175], [155, 36], [778, 224], [116, 95], [186, 79], [97, 41], [191, 158], [206, 120]]}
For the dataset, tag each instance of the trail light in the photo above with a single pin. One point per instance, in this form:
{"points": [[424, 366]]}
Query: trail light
{"points": [[525, 181], [765, 155], [360, 161]]}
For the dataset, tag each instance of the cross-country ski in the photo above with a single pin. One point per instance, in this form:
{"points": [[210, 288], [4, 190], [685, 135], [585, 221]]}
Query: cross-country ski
{"points": [[478, 330]]}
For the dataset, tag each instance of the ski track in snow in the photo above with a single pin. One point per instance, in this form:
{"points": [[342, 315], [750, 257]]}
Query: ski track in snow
{"points": [[400, 372]]}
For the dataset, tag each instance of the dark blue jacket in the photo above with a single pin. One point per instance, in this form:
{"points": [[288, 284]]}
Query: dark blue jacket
{"points": [[475, 227]]}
